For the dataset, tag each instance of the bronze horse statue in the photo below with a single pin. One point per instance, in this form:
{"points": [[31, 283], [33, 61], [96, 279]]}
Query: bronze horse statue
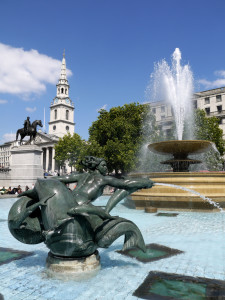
{"points": [[32, 131]]}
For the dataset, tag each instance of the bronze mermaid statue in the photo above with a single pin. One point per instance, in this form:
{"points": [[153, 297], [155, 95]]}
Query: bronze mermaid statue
{"points": [[67, 221]]}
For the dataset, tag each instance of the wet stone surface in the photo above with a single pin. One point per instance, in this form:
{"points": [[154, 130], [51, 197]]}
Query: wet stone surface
{"points": [[162, 286], [154, 252]]}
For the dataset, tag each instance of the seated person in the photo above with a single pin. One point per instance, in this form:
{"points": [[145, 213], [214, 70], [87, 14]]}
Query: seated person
{"points": [[9, 190], [3, 190]]}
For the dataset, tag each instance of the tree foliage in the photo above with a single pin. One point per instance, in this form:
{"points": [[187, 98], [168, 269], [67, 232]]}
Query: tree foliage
{"points": [[208, 129], [70, 148], [117, 135]]}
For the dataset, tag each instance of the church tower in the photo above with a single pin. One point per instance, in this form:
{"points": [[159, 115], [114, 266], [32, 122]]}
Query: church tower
{"points": [[62, 109]]}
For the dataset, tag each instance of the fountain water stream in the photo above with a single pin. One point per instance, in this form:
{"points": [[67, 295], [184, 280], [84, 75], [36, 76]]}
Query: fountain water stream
{"points": [[175, 85], [209, 200]]}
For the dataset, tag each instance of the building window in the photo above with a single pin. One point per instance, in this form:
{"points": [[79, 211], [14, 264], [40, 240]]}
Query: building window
{"points": [[218, 98], [207, 100], [66, 91], [163, 109], [207, 110], [67, 128], [168, 132], [195, 104], [55, 113], [54, 127], [219, 108], [67, 114], [62, 90]]}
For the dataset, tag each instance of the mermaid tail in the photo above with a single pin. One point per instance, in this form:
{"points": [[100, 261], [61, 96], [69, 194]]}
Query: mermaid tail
{"points": [[110, 230]]}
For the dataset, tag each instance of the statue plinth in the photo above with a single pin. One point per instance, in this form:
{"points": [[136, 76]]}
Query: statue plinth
{"points": [[26, 165], [72, 268]]}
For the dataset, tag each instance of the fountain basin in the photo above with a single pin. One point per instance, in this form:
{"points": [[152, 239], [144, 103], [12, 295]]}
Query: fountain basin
{"points": [[180, 149], [209, 184]]}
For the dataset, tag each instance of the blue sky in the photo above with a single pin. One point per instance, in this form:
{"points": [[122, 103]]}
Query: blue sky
{"points": [[111, 47]]}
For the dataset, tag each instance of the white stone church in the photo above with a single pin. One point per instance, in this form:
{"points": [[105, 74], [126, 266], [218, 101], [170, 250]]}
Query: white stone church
{"points": [[61, 122]]}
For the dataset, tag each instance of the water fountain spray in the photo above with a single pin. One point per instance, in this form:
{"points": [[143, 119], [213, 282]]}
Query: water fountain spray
{"points": [[174, 85]]}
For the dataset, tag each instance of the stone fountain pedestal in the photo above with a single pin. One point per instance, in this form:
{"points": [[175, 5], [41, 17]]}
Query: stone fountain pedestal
{"points": [[68, 268]]}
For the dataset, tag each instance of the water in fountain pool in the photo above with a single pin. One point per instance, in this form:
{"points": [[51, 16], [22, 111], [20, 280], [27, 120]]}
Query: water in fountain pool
{"points": [[199, 235]]}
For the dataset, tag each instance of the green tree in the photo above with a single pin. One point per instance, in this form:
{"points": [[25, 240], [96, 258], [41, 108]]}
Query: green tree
{"points": [[117, 135], [70, 148], [207, 128]]}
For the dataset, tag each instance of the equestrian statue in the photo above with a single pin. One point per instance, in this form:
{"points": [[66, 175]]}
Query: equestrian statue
{"points": [[28, 129]]}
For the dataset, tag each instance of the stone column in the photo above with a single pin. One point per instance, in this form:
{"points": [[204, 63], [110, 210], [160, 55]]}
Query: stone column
{"points": [[47, 159], [53, 160], [42, 158]]}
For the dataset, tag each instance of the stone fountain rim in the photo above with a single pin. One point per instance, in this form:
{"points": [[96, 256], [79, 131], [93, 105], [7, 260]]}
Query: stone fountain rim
{"points": [[164, 147]]}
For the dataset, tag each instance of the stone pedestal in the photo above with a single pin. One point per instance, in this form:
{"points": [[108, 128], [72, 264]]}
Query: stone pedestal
{"points": [[72, 268], [26, 165]]}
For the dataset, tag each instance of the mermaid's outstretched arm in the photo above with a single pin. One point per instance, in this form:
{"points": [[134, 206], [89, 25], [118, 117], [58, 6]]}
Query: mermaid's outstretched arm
{"points": [[133, 184]]}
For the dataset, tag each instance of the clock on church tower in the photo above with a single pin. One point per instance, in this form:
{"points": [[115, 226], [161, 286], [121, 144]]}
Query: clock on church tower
{"points": [[62, 109]]}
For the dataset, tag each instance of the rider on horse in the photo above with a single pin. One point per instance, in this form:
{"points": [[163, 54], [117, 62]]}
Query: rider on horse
{"points": [[27, 125], [28, 129]]}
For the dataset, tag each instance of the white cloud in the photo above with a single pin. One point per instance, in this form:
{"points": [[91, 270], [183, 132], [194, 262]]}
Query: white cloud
{"points": [[3, 101], [26, 72], [31, 109], [103, 107], [7, 137], [214, 83]]}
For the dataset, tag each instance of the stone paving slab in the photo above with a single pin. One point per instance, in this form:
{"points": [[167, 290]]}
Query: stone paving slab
{"points": [[201, 236]]}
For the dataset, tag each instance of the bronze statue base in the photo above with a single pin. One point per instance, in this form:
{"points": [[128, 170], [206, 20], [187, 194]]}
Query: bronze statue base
{"points": [[70, 268]]}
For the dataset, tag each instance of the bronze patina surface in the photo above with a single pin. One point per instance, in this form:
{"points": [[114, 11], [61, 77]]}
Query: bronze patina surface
{"points": [[67, 221]]}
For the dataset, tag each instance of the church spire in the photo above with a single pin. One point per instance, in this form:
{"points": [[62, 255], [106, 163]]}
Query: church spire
{"points": [[63, 68], [63, 85]]}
